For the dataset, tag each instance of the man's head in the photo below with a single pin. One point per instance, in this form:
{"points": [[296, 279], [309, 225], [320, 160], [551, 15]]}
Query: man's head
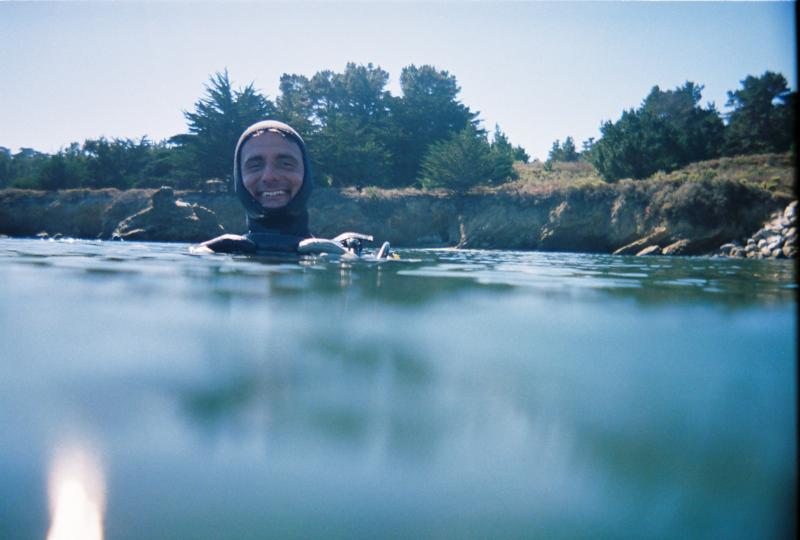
{"points": [[272, 168], [272, 176]]}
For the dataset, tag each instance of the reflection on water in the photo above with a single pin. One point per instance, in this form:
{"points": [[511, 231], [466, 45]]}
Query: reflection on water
{"points": [[448, 394], [77, 495]]}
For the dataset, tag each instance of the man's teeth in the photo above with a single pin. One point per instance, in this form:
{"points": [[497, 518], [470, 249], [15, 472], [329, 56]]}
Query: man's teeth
{"points": [[272, 193]]}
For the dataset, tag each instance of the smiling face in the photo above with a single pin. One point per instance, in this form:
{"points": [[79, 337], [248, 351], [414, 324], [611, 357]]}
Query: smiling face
{"points": [[272, 169]]}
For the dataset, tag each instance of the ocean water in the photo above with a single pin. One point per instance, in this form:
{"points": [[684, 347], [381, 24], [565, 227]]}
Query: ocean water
{"points": [[448, 394]]}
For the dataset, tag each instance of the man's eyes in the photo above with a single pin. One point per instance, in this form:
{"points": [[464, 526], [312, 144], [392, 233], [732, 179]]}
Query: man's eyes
{"points": [[256, 165], [253, 165]]}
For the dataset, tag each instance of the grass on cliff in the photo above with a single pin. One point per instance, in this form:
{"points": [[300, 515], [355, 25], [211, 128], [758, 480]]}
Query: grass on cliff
{"points": [[770, 172]]}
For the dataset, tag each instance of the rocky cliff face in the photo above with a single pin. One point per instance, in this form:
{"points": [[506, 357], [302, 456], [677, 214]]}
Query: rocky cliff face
{"points": [[678, 217]]}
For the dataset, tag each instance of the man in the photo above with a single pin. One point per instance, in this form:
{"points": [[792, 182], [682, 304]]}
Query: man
{"points": [[272, 178]]}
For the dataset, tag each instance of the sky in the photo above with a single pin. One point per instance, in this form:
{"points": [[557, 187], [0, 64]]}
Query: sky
{"points": [[541, 70]]}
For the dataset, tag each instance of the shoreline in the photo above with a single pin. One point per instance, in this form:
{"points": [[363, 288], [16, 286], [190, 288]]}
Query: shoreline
{"points": [[717, 207], [671, 217]]}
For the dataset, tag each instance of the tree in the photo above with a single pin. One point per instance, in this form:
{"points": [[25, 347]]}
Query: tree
{"points": [[115, 163], [351, 109], [460, 162], [294, 104], [24, 168], [521, 155], [668, 131], [762, 119], [503, 156], [216, 123], [5, 166], [428, 111], [565, 152]]}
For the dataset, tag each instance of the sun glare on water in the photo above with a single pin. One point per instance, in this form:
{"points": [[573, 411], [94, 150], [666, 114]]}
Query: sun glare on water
{"points": [[76, 496]]}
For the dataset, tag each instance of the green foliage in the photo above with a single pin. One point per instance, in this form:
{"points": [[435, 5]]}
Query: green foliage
{"points": [[668, 131], [503, 155], [98, 163], [762, 119], [563, 152], [5, 166], [521, 155], [351, 146], [358, 134], [216, 123], [428, 112], [463, 161]]}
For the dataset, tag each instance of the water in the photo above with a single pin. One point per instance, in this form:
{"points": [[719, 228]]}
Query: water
{"points": [[450, 394]]}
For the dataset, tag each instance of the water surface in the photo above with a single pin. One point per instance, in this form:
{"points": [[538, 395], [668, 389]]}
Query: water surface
{"points": [[449, 394]]}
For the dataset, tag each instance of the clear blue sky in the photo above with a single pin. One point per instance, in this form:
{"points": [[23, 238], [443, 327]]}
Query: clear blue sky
{"points": [[72, 71]]}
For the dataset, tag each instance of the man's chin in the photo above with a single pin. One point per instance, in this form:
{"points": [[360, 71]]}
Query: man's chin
{"points": [[274, 203]]}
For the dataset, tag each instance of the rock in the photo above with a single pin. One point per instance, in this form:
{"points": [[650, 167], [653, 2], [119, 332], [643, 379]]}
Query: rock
{"points": [[649, 250], [169, 220], [751, 248], [791, 234], [776, 253], [790, 210], [760, 235], [765, 252], [659, 235], [737, 252], [680, 247], [761, 243], [789, 251], [751, 242], [724, 247], [215, 185], [162, 198], [43, 235]]}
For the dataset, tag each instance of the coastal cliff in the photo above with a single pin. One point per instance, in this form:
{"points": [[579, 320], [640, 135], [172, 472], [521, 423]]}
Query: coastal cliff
{"points": [[684, 213]]}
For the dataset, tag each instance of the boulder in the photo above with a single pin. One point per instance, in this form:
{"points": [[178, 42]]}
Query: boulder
{"points": [[168, 219], [681, 246], [635, 247], [649, 250], [790, 211], [215, 185]]}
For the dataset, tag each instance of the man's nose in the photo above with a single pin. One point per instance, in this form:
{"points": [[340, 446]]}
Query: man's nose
{"points": [[268, 173]]}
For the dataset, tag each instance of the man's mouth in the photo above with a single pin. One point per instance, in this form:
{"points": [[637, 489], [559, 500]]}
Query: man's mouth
{"points": [[267, 195]]}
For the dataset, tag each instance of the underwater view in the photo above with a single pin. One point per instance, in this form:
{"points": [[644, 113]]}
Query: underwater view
{"points": [[446, 394]]}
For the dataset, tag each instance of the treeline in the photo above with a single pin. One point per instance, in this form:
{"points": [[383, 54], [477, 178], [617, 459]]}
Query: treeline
{"points": [[359, 134], [671, 129], [356, 131]]}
